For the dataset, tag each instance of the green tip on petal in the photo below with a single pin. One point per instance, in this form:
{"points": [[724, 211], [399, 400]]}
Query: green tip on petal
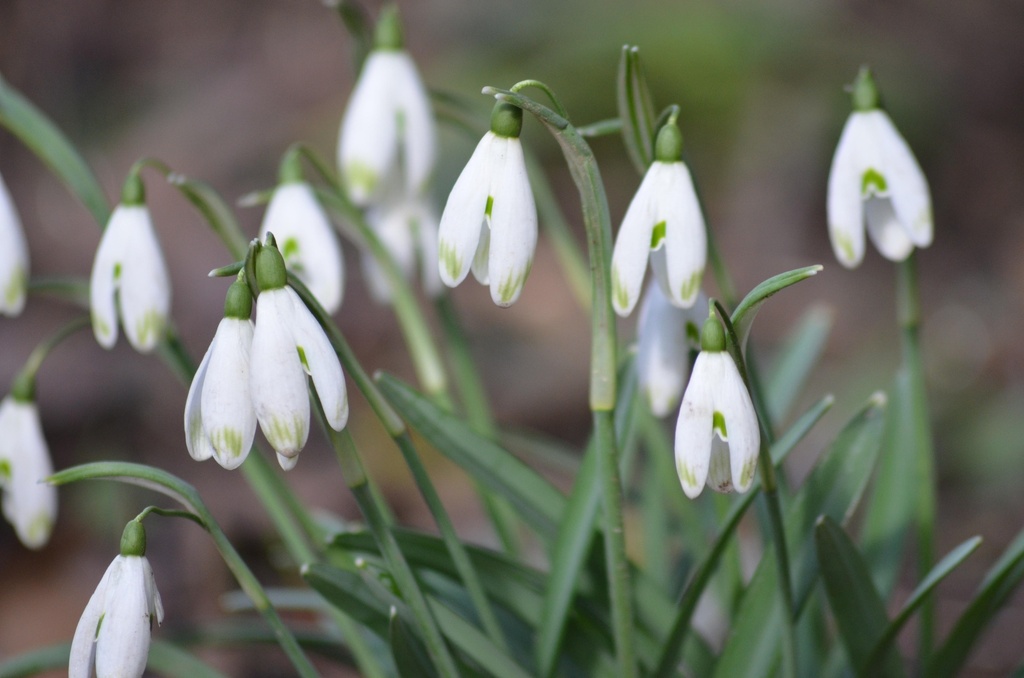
{"points": [[238, 303], [134, 191], [669, 145], [506, 120], [712, 336], [388, 35], [864, 91], [271, 273], [133, 539]]}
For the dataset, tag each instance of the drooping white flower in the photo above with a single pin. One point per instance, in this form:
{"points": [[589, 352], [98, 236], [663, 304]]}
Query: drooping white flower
{"points": [[388, 120], [288, 344], [308, 242], [407, 227], [490, 221], [13, 257], [875, 179], [113, 634], [663, 223], [129, 267], [220, 421], [29, 504], [717, 435], [665, 336]]}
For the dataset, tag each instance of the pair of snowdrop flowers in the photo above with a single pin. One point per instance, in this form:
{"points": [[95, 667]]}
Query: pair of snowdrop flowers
{"points": [[113, 635], [256, 373], [13, 257]]}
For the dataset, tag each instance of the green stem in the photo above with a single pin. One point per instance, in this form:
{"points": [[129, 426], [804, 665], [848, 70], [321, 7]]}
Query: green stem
{"points": [[24, 384]]}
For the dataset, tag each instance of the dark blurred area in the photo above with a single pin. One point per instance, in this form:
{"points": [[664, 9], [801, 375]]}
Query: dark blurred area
{"points": [[218, 90]]}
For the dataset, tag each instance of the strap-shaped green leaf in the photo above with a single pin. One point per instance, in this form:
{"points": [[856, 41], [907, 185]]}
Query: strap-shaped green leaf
{"points": [[636, 109], [410, 657], [743, 316], [795, 361]]}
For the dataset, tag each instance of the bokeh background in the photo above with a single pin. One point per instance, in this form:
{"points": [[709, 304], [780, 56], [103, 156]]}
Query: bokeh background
{"points": [[219, 89]]}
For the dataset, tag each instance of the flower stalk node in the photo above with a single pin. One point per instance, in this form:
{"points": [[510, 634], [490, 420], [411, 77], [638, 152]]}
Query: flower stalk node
{"points": [[133, 539]]}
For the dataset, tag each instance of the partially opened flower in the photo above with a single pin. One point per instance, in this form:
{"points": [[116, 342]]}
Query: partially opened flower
{"points": [[220, 421], [308, 242], [113, 634], [129, 278], [407, 227], [288, 344], [665, 336], [13, 257], [388, 126], [663, 223], [875, 179], [717, 435], [490, 221], [29, 504]]}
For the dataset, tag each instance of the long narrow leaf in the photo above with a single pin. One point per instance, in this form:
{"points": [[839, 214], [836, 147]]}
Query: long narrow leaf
{"points": [[743, 316], [636, 109], [796, 360]]}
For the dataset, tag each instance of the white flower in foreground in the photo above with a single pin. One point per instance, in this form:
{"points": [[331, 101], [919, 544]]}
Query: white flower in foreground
{"points": [[875, 179], [665, 335], [130, 266], [388, 120], [13, 257], [490, 221], [220, 421], [663, 223], [287, 345], [113, 634], [29, 504], [717, 435], [307, 240], [407, 227]]}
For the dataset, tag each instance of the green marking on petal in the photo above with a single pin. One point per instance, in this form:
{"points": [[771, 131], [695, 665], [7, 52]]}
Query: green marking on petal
{"points": [[718, 425], [5, 469], [511, 285], [873, 182], [843, 244], [619, 292], [747, 474], [117, 271], [658, 235], [227, 441], [686, 474], [100, 326], [284, 434], [489, 208], [688, 290], [99, 624], [450, 259], [39, 528], [302, 358], [289, 248], [361, 176], [15, 288], [150, 327]]}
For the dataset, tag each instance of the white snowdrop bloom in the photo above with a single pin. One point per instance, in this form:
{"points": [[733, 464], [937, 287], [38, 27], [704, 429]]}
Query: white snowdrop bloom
{"points": [[875, 179], [665, 335], [220, 421], [113, 635], [388, 120], [288, 344], [717, 434], [13, 257], [29, 504], [407, 227], [490, 221], [307, 240], [663, 223], [129, 267]]}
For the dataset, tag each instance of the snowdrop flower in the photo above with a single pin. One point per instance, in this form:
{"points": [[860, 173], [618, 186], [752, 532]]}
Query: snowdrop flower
{"points": [[717, 435], [130, 267], [388, 120], [407, 227], [310, 247], [664, 218], [490, 221], [288, 344], [113, 634], [665, 335], [220, 421], [875, 179], [13, 257], [29, 504]]}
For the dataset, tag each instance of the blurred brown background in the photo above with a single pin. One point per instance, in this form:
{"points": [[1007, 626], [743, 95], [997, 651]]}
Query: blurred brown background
{"points": [[219, 89]]}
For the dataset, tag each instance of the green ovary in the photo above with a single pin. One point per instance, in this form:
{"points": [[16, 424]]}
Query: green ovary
{"points": [[15, 288], [872, 181], [450, 259], [149, 327], [689, 288], [227, 441], [619, 291], [284, 434]]}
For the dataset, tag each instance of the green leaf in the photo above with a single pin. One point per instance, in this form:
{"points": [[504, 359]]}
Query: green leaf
{"points": [[43, 137], [410, 657], [537, 501], [858, 610], [217, 213], [833, 488], [743, 316], [636, 109], [149, 477], [165, 659], [795, 361], [995, 590]]}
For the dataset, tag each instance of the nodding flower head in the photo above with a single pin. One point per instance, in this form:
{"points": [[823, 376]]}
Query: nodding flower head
{"points": [[13, 257]]}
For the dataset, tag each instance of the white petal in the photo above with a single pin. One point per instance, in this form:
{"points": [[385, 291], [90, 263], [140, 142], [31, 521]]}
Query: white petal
{"points": [[482, 257], [908, 187], [423, 220], [122, 643], [463, 216], [13, 257], [419, 137], [686, 247], [845, 204], [196, 441], [633, 243], [373, 275], [287, 463], [719, 472], [885, 229], [307, 241], [83, 645], [277, 380], [513, 227], [321, 362], [28, 504], [156, 605], [145, 286], [368, 142], [662, 357], [229, 420], [694, 427], [733, 402], [108, 263]]}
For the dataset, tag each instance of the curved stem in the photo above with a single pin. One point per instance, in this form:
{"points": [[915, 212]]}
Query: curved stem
{"points": [[523, 84], [24, 384]]}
